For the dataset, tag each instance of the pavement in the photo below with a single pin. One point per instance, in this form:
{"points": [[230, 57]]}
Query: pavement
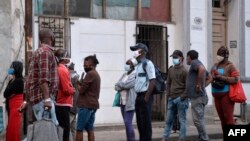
{"points": [[116, 132]]}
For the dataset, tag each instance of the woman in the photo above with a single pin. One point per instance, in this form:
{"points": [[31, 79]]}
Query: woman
{"points": [[64, 98], [221, 73], [125, 86], [14, 99]]}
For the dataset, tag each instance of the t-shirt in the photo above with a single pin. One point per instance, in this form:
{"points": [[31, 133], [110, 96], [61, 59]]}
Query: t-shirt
{"points": [[192, 78]]}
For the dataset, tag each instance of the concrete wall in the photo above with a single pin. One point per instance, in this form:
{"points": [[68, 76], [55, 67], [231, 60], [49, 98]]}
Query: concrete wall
{"points": [[247, 38], [11, 35]]}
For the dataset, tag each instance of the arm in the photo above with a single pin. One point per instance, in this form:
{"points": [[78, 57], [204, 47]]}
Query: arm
{"points": [[150, 89], [209, 79], [129, 83], [88, 79], [150, 70], [168, 83], [200, 78]]}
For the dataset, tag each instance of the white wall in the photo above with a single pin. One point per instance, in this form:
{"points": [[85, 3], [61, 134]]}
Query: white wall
{"points": [[247, 38], [110, 41], [199, 32]]}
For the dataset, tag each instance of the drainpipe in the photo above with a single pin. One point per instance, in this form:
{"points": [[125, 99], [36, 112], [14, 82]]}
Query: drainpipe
{"points": [[67, 27]]}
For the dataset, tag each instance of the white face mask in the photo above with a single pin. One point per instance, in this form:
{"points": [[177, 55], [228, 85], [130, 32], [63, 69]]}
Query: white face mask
{"points": [[127, 67], [136, 53], [220, 58]]}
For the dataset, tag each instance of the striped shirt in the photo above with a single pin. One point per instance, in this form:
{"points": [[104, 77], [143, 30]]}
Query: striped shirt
{"points": [[42, 68]]}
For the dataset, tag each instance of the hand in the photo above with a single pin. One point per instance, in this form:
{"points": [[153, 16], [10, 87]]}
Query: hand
{"points": [[218, 77], [47, 105], [198, 89], [183, 98], [22, 107], [146, 98]]}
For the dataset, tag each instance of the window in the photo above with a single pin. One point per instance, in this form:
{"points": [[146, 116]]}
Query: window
{"points": [[216, 3]]}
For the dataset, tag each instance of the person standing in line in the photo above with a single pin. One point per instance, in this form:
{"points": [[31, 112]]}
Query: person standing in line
{"points": [[73, 111], [88, 99], [125, 86], [64, 98], [197, 79], [14, 99], [41, 85], [222, 71], [177, 98], [144, 86]]}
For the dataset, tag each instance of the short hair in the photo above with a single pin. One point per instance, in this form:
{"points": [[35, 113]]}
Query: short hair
{"points": [[92, 58], [46, 33], [193, 54], [61, 54]]}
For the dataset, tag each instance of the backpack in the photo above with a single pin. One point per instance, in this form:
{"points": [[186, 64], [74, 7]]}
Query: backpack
{"points": [[160, 85]]}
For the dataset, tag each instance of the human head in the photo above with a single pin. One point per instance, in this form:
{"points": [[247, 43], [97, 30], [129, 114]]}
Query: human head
{"points": [[90, 63], [130, 64], [62, 56], [222, 53], [16, 69], [192, 55], [139, 50], [46, 36], [177, 57]]}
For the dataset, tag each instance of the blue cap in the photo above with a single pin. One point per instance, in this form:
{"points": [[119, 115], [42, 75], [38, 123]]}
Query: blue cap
{"points": [[139, 46]]}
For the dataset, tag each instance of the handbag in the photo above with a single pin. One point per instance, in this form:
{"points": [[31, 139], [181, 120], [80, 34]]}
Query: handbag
{"points": [[44, 130], [236, 93], [218, 84], [116, 102]]}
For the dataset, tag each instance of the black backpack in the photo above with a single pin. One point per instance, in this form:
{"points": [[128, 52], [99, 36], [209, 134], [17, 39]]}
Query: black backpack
{"points": [[160, 85]]}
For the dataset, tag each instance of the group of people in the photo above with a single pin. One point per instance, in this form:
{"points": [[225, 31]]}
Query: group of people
{"points": [[52, 85], [183, 87]]}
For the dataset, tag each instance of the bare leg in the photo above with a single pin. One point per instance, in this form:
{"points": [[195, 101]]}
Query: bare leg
{"points": [[91, 136], [79, 136]]}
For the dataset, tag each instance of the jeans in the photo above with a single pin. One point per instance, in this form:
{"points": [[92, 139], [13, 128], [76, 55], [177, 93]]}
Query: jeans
{"points": [[128, 118], [143, 117], [38, 110], [85, 119], [178, 108]]}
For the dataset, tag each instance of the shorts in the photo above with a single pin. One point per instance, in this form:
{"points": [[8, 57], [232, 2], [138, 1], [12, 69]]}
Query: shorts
{"points": [[85, 119]]}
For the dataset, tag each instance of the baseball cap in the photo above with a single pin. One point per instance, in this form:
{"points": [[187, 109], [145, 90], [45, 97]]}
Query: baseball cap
{"points": [[139, 46], [177, 53]]}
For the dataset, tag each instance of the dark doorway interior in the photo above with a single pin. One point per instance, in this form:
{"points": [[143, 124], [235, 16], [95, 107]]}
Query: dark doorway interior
{"points": [[155, 37]]}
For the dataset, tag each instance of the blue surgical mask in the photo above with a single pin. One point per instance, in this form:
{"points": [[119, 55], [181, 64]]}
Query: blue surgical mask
{"points": [[127, 67], [176, 61], [11, 71]]}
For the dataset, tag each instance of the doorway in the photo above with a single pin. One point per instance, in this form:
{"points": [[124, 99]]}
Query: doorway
{"points": [[155, 37], [219, 32]]}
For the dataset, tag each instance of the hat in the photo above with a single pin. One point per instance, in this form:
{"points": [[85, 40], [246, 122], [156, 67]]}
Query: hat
{"points": [[139, 46], [177, 53]]}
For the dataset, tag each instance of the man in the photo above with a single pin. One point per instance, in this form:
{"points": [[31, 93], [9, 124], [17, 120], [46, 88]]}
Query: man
{"points": [[197, 79], [41, 84], [87, 101], [177, 99], [64, 97], [73, 111], [144, 86]]}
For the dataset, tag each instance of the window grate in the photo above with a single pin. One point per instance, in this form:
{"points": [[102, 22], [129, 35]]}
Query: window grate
{"points": [[56, 24]]}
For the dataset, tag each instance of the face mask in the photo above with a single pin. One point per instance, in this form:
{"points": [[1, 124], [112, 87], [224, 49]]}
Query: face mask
{"points": [[176, 61], [11, 71], [87, 69], [127, 67], [220, 58], [136, 53]]}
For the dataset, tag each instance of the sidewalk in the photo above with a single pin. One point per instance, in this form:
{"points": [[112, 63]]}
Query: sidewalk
{"points": [[117, 133]]}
